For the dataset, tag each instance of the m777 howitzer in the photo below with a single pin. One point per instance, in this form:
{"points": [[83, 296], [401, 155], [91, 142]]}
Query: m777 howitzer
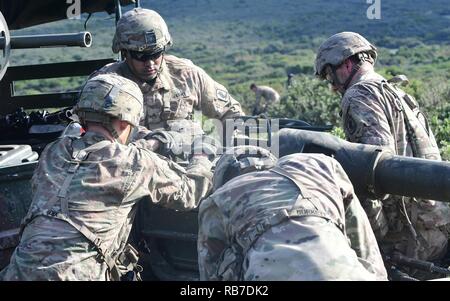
{"points": [[80, 39], [21, 123], [264, 128], [8, 42], [374, 171], [37, 128]]}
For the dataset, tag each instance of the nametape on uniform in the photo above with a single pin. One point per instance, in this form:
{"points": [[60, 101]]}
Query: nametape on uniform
{"points": [[222, 95]]}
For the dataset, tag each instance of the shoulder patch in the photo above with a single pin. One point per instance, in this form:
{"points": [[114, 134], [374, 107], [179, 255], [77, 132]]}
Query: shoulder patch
{"points": [[222, 95]]}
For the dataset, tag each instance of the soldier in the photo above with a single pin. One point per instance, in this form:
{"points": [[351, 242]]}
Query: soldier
{"points": [[374, 111], [299, 220], [85, 191], [270, 97], [173, 87], [290, 81]]}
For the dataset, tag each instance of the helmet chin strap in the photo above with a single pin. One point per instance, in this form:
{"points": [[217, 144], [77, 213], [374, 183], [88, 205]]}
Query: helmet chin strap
{"points": [[158, 73], [160, 66], [355, 69]]}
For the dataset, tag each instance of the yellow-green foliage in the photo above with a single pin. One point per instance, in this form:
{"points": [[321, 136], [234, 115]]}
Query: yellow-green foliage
{"points": [[243, 41]]}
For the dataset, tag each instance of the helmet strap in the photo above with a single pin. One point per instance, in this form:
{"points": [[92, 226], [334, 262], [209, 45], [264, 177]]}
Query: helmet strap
{"points": [[112, 130], [355, 69], [162, 60], [152, 81]]}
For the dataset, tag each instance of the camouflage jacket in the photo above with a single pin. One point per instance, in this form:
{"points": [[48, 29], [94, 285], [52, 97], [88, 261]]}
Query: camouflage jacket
{"points": [[373, 114], [180, 88], [377, 113], [101, 196], [230, 215]]}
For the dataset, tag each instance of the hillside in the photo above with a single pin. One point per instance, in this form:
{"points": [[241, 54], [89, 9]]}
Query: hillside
{"points": [[242, 41]]}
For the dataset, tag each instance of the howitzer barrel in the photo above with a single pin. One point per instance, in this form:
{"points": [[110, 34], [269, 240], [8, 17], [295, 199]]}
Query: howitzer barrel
{"points": [[427, 179], [81, 39], [374, 171]]}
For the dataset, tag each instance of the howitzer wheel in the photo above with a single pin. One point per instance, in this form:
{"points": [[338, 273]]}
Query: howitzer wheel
{"points": [[5, 46]]}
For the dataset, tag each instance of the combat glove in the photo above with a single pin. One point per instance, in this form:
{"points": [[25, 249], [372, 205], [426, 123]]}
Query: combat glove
{"points": [[170, 145]]}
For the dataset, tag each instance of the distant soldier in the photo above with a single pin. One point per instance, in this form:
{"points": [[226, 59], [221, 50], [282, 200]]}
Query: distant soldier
{"points": [[374, 111], [290, 81], [270, 97], [85, 191], [173, 87], [295, 219]]}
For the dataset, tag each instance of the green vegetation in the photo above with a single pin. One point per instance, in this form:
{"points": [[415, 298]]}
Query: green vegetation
{"points": [[243, 41]]}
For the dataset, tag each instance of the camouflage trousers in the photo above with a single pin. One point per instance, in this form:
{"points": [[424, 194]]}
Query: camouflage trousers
{"points": [[305, 248]]}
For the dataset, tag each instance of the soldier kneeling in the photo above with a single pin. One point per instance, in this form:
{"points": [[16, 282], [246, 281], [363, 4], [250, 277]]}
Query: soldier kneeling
{"points": [[292, 219], [85, 190]]}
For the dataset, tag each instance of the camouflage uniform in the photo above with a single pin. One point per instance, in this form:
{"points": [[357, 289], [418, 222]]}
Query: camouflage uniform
{"points": [[372, 114], [259, 226], [85, 190], [180, 86], [376, 112], [270, 96], [291, 82]]}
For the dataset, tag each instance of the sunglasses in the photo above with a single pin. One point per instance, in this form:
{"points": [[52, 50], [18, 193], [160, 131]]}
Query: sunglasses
{"points": [[145, 56]]}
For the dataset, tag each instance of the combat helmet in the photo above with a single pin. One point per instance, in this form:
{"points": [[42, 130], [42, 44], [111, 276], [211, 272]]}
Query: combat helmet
{"points": [[339, 47], [108, 96], [141, 30], [241, 160]]}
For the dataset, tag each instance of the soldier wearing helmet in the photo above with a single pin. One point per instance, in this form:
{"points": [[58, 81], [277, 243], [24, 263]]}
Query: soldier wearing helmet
{"points": [[270, 97], [290, 82], [376, 111], [173, 87], [292, 219], [85, 191]]}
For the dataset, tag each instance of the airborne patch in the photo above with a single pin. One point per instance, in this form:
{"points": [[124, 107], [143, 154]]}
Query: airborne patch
{"points": [[221, 95]]}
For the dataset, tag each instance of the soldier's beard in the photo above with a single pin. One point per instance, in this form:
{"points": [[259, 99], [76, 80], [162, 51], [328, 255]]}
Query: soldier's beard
{"points": [[336, 90]]}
